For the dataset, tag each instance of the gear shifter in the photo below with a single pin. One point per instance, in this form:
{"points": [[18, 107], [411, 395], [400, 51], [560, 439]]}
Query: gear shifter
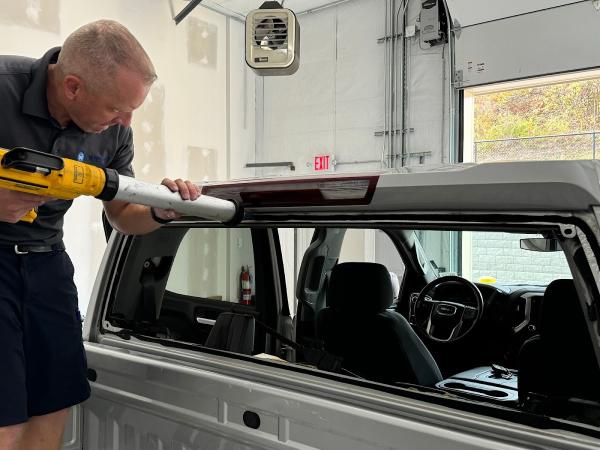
{"points": [[501, 372]]}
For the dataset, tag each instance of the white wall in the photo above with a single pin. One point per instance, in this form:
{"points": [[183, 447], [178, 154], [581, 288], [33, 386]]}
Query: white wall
{"points": [[333, 104], [180, 131], [242, 101]]}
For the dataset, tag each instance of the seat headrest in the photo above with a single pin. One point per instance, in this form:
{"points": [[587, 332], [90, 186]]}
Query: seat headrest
{"points": [[360, 287], [561, 308], [561, 316]]}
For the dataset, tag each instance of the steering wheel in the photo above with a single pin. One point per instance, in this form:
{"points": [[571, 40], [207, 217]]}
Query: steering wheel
{"points": [[446, 316]]}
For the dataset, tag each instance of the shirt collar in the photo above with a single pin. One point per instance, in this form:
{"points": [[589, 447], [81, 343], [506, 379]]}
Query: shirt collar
{"points": [[35, 101]]}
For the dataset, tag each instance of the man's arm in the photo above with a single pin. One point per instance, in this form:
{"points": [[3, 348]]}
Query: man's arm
{"points": [[129, 218]]}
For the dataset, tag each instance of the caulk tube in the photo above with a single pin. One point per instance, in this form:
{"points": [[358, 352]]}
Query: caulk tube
{"points": [[121, 187]]}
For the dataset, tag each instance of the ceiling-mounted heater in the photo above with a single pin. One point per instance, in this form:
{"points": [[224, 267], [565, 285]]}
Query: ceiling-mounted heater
{"points": [[272, 40]]}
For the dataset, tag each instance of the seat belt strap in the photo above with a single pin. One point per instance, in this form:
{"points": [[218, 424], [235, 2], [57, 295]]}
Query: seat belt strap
{"points": [[149, 293]]}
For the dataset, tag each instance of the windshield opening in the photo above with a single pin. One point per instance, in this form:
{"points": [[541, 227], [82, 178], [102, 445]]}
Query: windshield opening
{"points": [[489, 257]]}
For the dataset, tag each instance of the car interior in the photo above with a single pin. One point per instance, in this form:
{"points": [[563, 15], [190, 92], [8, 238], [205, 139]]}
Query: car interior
{"points": [[491, 316]]}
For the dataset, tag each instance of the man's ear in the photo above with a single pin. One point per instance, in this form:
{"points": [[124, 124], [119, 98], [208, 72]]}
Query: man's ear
{"points": [[72, 86]]}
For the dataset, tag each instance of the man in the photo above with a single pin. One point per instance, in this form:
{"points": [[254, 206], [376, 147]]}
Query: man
{"points": [[76, 102]]}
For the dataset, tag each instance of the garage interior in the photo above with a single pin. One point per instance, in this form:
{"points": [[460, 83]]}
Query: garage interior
{"points": [[374, 91]]}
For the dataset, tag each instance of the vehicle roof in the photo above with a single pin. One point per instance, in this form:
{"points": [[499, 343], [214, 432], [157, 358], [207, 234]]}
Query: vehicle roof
{"points": [[501, 186]]}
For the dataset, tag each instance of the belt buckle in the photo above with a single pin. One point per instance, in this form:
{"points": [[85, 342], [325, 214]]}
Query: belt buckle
{"points": [[19, 252]]}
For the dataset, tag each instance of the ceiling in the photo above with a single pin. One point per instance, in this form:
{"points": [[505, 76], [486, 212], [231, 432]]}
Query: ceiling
{"points": [[242, 7], [466, 12]]}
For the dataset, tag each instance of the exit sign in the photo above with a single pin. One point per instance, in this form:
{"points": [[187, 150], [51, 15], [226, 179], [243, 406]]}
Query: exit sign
{"points": [[321, 162]]}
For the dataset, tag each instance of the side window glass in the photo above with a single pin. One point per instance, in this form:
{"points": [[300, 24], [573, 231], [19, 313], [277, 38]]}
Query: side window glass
{"points": [[215, 264]]}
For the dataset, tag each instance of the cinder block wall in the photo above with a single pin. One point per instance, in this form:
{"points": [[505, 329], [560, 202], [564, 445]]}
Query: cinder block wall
{"points": [[500, 256]]}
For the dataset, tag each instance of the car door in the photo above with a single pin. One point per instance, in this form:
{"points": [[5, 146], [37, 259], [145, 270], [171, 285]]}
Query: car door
{"points": [[188, 276]]}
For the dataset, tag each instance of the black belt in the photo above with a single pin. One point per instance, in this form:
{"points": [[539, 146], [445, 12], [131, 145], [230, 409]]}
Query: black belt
{"points": [[23, 249]]}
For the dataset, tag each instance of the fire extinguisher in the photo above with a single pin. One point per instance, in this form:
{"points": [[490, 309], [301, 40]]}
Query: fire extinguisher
{"points": [[245, 286]]}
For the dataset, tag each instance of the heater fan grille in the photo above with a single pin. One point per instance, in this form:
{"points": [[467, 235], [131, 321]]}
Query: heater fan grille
{"points": [[271, 32]]}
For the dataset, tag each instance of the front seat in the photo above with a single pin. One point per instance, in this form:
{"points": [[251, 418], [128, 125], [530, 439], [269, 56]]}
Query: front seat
{"points": [[559, 362], [375, 343]]}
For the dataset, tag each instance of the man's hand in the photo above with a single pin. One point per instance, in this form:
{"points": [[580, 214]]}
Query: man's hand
{"points": [[187, 190], [14, 204]]}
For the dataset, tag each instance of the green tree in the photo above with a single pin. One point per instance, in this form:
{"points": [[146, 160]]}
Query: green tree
{"points": [[537, 111], [563, 108]]}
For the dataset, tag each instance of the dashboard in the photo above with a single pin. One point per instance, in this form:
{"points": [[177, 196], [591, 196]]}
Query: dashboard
{"points": [[511, 316]]}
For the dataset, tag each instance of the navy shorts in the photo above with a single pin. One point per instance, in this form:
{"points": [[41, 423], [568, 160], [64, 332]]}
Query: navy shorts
{"points": [[42, 360]]}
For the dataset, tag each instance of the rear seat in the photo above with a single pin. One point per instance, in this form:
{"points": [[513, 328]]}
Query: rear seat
{"points": [[232, 332]]}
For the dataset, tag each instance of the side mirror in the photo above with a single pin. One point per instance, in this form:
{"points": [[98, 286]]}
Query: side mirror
{"points": [[540, 244]]}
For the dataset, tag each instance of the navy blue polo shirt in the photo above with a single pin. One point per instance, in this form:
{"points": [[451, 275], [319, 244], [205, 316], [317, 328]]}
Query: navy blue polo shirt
{"points": [[26, 122]]}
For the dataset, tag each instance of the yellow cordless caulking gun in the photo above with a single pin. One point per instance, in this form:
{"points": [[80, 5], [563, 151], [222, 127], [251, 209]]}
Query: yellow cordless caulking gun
{"points": [[34, 172]]}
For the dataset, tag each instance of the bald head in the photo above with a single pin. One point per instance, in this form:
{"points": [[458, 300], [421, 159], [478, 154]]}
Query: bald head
{"points": [[97, 50]]}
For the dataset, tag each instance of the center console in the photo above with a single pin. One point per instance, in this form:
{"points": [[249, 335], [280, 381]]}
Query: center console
{"points": [[493, 382]]}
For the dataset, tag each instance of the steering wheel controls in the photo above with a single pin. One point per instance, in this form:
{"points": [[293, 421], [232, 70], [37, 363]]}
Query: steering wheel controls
{"points": [[444, 309]]}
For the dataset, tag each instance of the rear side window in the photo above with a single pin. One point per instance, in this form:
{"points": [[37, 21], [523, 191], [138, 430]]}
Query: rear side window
{"points": [[214, 263]]}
